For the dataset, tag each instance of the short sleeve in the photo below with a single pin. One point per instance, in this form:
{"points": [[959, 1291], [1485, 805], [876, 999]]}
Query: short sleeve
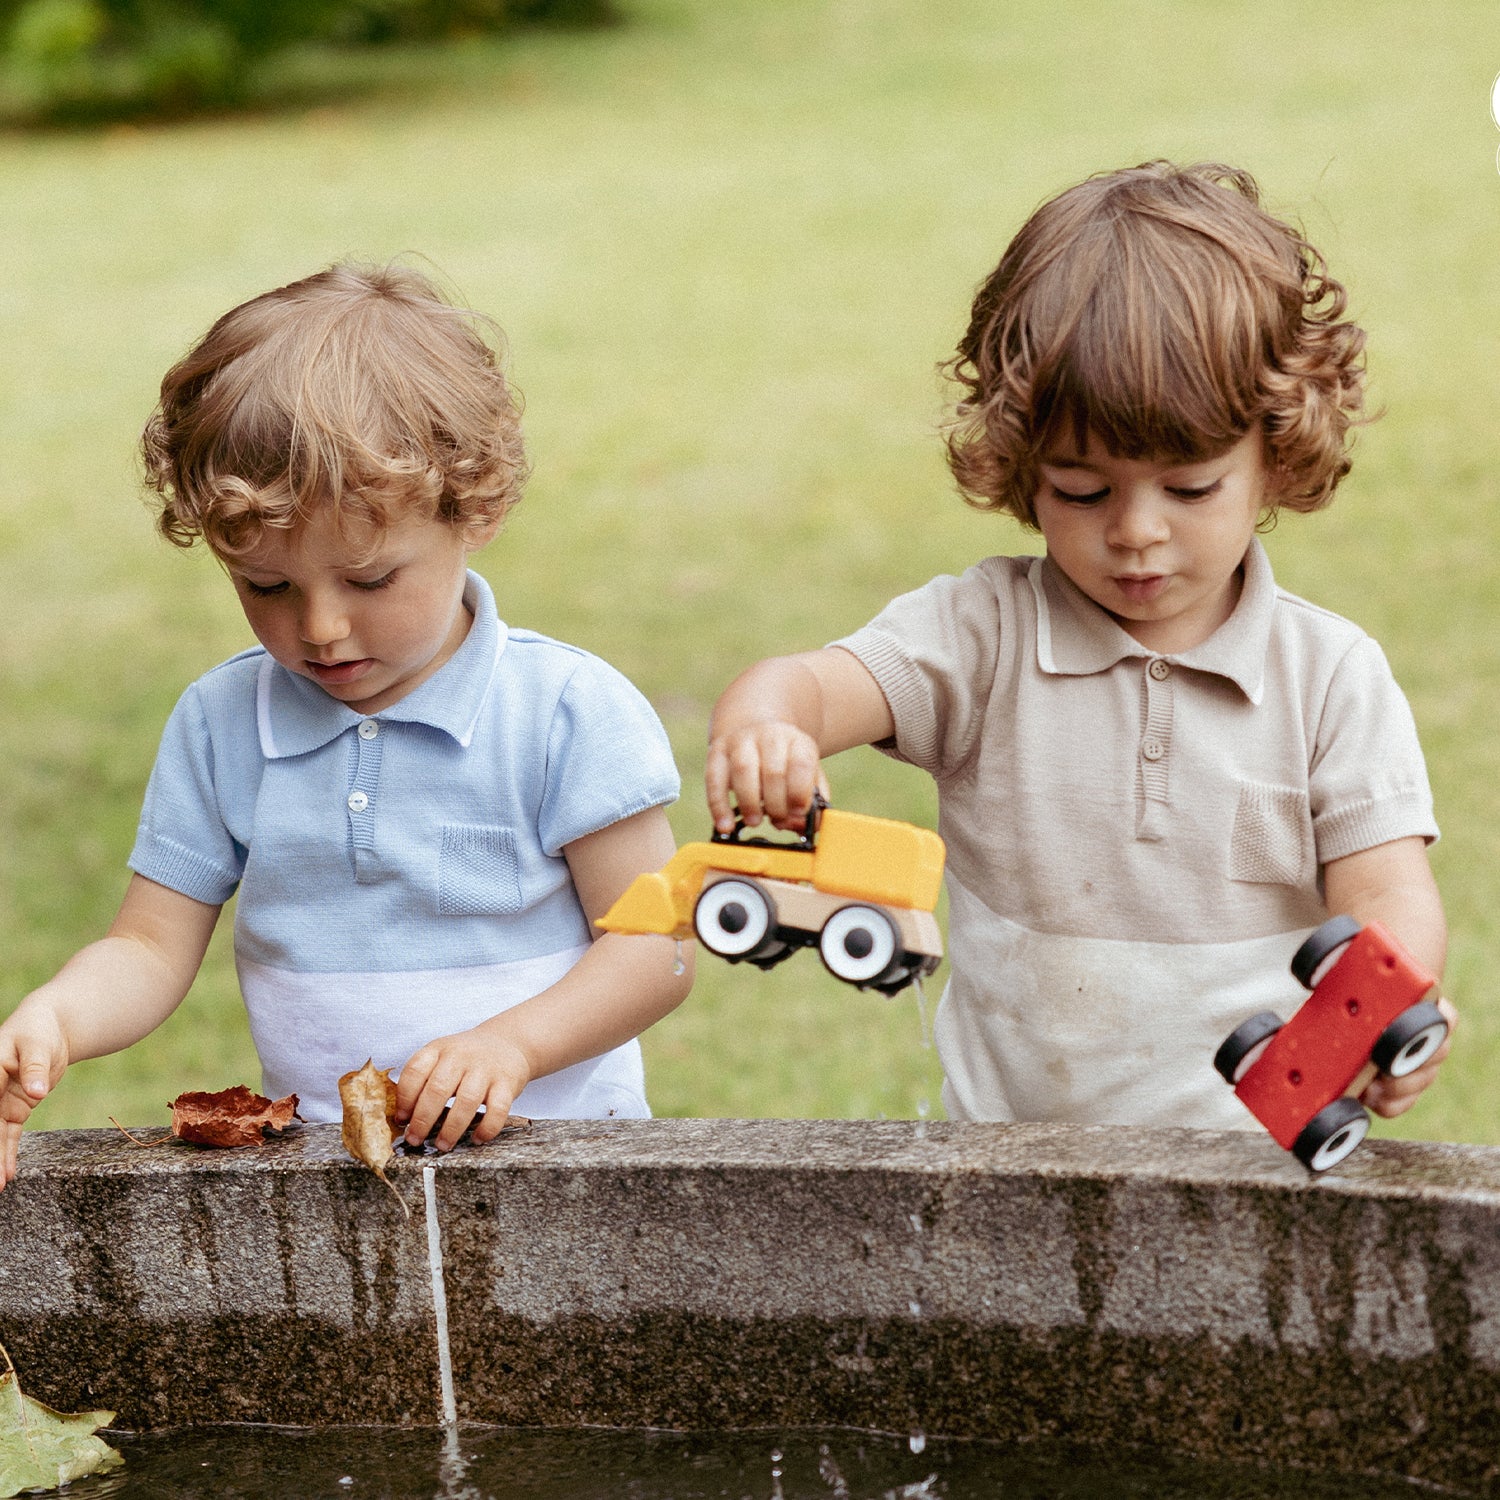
{"points": [[934, 653], [1367, 779], [607, 757], [182, 842]]}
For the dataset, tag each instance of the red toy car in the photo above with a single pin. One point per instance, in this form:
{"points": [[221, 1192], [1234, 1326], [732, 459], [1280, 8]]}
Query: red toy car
{"points": [[1373, 1009]]}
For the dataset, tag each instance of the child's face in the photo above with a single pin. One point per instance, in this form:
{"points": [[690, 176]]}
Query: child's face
{"points": [[1158, 545], [366, 626]]}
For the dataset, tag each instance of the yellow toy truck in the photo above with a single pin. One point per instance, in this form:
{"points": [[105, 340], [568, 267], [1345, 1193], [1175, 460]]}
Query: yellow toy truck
{"points": [[859, 889]]}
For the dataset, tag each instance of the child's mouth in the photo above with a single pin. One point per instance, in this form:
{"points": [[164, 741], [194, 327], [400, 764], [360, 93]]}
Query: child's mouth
{"points": [[1142, 590], [333, 673]]}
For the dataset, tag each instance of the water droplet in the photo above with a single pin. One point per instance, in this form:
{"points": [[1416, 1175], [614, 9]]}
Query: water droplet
{"points": [[915, 1309], [679, 964], [917, 1441], [915, 1220], [923, 1110]]}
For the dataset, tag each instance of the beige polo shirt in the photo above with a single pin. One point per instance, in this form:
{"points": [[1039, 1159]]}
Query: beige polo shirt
{"points": [[1134, 840]]}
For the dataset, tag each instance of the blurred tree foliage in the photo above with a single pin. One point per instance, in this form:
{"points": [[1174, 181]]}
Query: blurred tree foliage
{"points": [[72, 60]]}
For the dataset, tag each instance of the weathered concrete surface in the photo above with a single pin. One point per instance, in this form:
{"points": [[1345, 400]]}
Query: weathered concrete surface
{"points": [[1191, 1292]]}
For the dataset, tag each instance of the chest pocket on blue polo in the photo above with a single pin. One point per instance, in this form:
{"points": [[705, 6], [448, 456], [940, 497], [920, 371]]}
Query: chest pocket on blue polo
{"points": [[478, 872]]}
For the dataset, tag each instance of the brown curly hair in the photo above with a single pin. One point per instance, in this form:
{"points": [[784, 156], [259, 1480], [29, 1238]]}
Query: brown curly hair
{"points": [[361, 388], [1162, 309]]}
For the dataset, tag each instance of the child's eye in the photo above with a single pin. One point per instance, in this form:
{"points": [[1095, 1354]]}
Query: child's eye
{"points": [[263, 590], [1092, 497], [1194, 492], [369, 585]]}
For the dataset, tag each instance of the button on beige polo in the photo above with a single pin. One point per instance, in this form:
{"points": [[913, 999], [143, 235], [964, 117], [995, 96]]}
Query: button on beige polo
{"points": [[1160, 670]]}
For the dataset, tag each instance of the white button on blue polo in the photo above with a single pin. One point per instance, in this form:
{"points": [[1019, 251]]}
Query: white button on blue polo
{"points": [[369, 729], [358, 802]]}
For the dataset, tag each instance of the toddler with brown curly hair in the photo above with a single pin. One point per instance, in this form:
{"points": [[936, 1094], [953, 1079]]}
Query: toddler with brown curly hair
{"points": [[1157, 771], [422, 809]]}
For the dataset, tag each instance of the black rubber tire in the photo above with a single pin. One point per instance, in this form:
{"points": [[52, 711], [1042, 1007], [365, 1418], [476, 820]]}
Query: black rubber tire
{"points": [[1242, 1040], [1410, 1040], [1320, 943], [1332, 1134]]}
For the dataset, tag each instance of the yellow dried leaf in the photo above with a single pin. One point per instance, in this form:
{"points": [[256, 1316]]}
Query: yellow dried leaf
{"points": [[368, 1098]]}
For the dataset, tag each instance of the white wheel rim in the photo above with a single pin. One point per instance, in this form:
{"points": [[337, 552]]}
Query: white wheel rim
{"points": [[1418, 1049], [857, 943], [732, 917], [1340, 1143], [1321, 972]]}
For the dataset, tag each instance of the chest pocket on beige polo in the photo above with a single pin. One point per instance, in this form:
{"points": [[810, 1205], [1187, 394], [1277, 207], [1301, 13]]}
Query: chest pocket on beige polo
{"points": [[478, 873], [1272, 843]]}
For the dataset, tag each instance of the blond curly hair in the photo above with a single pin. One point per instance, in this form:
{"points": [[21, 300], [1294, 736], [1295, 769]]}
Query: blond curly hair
{"points": [[360, 388]]}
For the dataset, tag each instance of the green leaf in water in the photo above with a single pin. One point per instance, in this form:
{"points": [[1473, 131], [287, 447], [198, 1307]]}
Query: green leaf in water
{"points": [[42, 1449]]}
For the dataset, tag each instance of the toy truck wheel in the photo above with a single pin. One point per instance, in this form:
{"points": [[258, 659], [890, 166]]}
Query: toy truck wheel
{"points": [[1241, 1049], [859, 945], [1332, 1134], [1323, 949], [734, 918], [1410, 1040]]}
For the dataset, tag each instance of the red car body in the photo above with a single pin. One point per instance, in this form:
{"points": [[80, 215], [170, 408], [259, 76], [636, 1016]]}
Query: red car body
{"points": [[1319, 1054]]}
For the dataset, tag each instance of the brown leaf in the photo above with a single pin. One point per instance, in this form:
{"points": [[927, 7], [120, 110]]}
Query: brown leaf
{"points": [[230, 1117], [369, 1100]]}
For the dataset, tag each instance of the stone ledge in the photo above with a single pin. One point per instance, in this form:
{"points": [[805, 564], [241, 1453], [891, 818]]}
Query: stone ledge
{"points": [[1197, 1292]]}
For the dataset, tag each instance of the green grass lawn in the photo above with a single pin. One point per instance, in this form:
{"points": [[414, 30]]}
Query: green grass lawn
{"points": [[730, 241]]}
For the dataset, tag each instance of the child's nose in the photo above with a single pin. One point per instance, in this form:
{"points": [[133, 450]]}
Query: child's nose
{"points": [[1138, 522], [322, 622]]}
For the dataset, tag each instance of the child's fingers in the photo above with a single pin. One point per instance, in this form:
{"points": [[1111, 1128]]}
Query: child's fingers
{"points": [[716, 786], [10, 1144], [466, 1099], [497, 1105]]}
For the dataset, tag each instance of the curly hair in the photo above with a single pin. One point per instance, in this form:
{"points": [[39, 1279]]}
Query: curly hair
{"points": [[1162, 309], [361, 388]]}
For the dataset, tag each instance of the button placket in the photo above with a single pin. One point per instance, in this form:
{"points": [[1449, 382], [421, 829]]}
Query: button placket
{"points": [[366, 748], [1155, 750]]}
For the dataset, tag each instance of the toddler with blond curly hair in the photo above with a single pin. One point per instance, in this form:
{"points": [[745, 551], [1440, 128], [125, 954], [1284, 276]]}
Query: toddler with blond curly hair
{"points": [[422, 809]]}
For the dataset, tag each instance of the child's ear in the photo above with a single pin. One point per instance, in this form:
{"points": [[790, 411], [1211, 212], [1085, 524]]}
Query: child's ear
{"points": [[481, 531]]}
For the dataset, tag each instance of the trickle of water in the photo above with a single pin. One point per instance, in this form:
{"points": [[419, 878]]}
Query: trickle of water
{"points": [[923, 1110], [917, 1441], [915, 1309], [679, 964], [926, 1030], [915, 1220], [777, 1493]]}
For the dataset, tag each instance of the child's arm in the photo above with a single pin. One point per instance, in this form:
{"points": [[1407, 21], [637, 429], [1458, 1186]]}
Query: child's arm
{"points": [[773, 725], [105, 997], [621, 986], [1393, 885]]}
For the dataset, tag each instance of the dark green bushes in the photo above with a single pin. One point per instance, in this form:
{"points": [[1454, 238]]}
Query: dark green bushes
{"points": [[90, 59]]}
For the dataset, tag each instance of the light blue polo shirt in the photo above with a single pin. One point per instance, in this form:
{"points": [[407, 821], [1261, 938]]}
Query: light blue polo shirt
{"points": [[401, 876]]}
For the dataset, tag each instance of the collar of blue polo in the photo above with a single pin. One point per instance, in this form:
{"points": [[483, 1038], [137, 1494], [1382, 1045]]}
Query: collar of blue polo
{"points": [[1075, 638], [294, 715]]}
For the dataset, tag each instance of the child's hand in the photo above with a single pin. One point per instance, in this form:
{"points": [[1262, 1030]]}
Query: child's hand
{"points": [[1389, 1097], [771, 769], [772, 727], [33, 1056], [470, 1068]]}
